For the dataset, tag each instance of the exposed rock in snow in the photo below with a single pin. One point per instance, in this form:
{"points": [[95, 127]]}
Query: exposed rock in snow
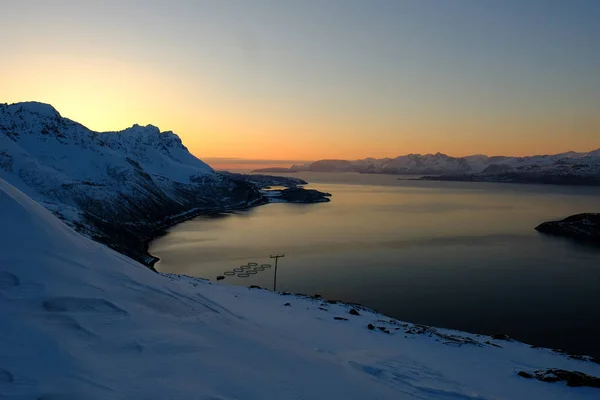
{"points": [[80, 321], [572, 378]]}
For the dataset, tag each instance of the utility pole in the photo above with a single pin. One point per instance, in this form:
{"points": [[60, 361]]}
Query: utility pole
{"points": [[276, 257]]}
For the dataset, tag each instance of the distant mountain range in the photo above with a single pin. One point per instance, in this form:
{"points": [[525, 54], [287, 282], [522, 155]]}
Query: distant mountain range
{"points": [[563, 168]]}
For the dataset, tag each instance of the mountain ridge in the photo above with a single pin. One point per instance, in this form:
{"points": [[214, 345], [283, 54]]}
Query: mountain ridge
{"points": [[115, 187], [420, 163], [582, 166]]}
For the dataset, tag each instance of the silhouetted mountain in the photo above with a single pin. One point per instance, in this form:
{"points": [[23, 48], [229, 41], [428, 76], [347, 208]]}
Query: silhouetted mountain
{"points": [[570, 167]]}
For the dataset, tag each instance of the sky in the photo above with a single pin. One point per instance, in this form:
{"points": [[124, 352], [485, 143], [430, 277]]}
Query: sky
{"points": [[305, 80]]}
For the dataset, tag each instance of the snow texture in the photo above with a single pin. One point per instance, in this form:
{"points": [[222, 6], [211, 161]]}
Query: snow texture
{"points": [[81, 321]]}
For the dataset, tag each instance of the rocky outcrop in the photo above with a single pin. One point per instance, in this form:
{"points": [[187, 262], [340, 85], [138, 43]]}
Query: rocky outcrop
{"points": [[300, 195], [572, 378], [294, 191], [582, 227]]}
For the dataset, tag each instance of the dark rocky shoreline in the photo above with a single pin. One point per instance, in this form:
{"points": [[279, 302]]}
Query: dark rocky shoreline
{"points": [[133, 239], [389, 325], [517, 177], [301, 195], [583, 228]]}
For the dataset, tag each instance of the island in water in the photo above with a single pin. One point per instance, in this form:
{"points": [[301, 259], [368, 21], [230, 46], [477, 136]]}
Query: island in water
{"points": [[291, 190], [581, 227]]}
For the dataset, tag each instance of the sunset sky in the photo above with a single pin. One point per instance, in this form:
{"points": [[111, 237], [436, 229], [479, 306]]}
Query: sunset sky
{"points": [[305, 80]]}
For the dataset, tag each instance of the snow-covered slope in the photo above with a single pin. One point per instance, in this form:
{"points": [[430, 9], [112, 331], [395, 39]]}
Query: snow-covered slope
{"points": [[442, 164], [113, 184], [80, 321]]}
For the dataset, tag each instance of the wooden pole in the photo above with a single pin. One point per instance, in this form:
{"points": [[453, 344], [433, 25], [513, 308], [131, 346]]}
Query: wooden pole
{"points": [[275, 275], [276, 257]]}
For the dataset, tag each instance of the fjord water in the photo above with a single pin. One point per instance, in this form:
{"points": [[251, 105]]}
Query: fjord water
{"points": [[457, 255]]}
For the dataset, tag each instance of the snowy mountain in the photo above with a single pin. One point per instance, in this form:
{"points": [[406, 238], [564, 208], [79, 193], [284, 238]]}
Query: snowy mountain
{"points": [[560, 169], [115, 186], [587, 164], [80, 321]]}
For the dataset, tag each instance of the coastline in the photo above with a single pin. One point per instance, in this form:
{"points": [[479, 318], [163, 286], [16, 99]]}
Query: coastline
{"points": [[131, 233], [194, 213], [390, 325], [290, 195], [414, 328], [211, 273], [524, 179]]}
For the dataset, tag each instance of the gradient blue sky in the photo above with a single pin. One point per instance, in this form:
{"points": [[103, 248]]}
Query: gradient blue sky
{"points": [[316, 79]]}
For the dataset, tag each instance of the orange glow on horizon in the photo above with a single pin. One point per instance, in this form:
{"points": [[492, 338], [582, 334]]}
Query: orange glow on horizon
{"points": [[247, 80], [106, 94]]}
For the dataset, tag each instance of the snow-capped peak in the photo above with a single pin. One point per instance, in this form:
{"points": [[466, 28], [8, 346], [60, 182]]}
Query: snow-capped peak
{"points": [[34, 107], [595, 153], [443, 164], [137, 175], [137, 129]]}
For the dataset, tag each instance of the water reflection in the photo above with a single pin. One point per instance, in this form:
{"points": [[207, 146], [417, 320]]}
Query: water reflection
{"points": [[460, 255]]}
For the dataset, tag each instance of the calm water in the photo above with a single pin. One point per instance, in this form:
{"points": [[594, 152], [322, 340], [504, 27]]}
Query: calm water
{"points": [[456, 255]]}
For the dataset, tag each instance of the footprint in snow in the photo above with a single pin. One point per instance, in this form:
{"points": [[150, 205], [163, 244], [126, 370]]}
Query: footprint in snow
{"points": [[8, 379], [69, 325], [11, 286], [8, 280]]}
